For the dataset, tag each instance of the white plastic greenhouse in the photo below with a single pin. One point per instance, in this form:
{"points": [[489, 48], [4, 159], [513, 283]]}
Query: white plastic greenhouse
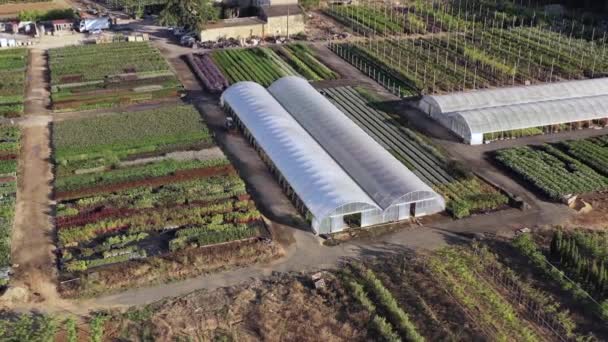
{"points": [[476, 115], [393, 186], [324, 188], [335, 173]]}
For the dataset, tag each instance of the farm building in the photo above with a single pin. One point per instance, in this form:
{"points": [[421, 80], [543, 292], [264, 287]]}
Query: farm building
{"points": [[351, 181], [61, 25], [487, 115], [274, 20]]}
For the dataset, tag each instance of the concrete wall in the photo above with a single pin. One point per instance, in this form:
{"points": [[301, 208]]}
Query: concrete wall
{"points": [[281, 26], [283, 2], [274, 26], [241, 31]]}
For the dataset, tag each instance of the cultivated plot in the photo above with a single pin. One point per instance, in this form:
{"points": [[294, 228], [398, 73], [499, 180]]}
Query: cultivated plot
{"points": [[13, 64], [459, 293], [109, 75], [140, 193], [262, 65], [562, 169], [9, 151], [475, 47]]}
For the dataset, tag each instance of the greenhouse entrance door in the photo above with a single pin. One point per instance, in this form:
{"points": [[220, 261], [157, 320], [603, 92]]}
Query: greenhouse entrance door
{"points": [[405, 211], [353, 220]]}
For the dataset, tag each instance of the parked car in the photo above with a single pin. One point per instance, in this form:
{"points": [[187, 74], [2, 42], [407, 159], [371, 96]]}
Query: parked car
{"points": [[187, 40]]}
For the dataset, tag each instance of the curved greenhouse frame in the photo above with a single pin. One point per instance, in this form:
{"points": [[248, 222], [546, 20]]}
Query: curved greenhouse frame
{"points": [[385, 179], [440, 104], [324, 188], [487, 115], [473, 124]]}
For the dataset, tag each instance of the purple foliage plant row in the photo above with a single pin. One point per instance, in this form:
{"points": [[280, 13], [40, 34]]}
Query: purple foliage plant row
{"points": [[208, 72]]}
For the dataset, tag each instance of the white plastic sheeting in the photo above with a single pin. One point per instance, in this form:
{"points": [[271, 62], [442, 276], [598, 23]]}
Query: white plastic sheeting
{"points": [[321, 184], [472, 124], [389, 183], [438, 104], [471, 114]]}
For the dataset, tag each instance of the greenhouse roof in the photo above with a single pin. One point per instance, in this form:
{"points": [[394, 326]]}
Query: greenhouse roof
{"points": [[321, 184], [378, 172], [516, 95], [511, 117]]}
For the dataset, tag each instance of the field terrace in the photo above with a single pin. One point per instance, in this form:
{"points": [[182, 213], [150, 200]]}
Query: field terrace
{"points": [[109, 75], [148, 188]]}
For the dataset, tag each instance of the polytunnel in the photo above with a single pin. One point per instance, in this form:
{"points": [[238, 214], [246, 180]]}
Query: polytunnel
{"points": [[434, 105], [398, 191], [328, 193], [471, 125]]}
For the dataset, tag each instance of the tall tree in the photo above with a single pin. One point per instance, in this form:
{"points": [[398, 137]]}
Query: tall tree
{"points": [[192, 14]]}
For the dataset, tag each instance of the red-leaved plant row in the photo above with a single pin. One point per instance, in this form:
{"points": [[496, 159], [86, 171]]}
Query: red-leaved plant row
{"points": [[5, 156], [125, 213], [206, 70], [89, 217], [7, 179], [178, 176]]}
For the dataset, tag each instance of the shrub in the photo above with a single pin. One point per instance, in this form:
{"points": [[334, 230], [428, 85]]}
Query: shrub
{"points": [[459, 209], [96, 328]]}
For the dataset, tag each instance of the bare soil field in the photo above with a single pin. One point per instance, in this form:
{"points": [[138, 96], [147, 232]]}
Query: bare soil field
{"points": [[597, 217], [12, 10], [320, 27], [439, 302], [282, 308]]}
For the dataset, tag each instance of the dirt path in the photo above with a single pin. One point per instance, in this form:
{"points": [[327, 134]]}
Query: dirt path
{"points": [[32, 242], [37, 95], [32, 239]]}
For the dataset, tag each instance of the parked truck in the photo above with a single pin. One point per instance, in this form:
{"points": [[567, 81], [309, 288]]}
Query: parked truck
{"points": [[94, 24]]}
